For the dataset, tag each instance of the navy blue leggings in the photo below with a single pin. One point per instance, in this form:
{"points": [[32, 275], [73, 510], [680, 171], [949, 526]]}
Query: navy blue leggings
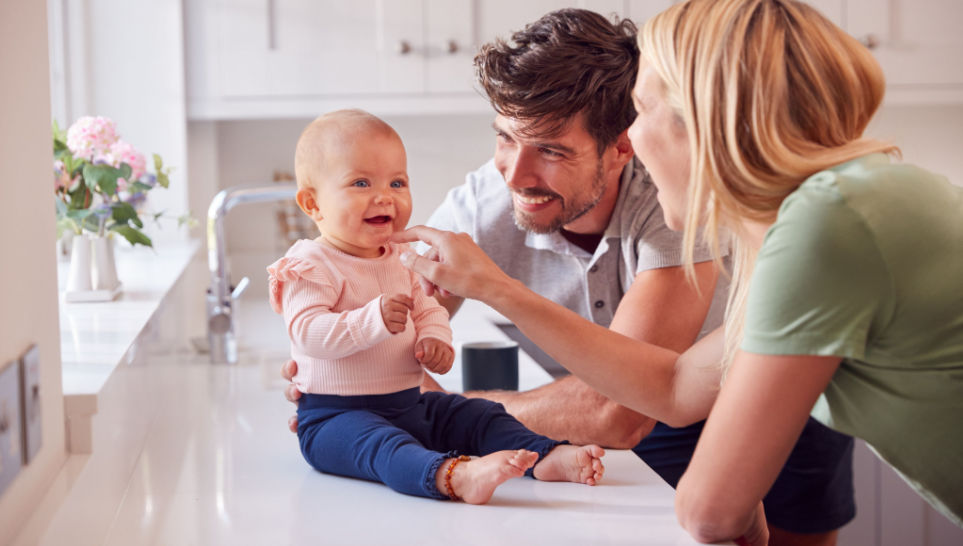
{"points": [[400, 439]]}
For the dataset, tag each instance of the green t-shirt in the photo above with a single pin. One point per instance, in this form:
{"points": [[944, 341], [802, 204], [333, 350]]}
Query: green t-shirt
{"points": [[865, 262]]}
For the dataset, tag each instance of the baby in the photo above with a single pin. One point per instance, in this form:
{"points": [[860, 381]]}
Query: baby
{"points": [[362, 332]]}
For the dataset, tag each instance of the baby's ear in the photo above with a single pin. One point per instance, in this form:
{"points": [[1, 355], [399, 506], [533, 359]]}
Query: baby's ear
{"points": [[308, 203]]}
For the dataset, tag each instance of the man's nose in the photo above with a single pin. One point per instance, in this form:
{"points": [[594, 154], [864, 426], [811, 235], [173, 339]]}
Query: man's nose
{"points": [[520, 168]]}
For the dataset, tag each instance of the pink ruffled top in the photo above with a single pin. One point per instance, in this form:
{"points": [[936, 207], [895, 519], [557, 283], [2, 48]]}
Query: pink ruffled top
{"points": [[331, 302]]}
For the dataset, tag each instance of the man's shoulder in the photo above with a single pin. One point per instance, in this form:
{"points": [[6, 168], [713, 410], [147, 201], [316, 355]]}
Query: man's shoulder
{"points": [[480, 203], [638, 205]]}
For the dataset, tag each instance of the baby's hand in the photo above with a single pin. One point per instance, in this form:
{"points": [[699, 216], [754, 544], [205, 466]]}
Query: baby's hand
{"points": [[434, 355], [394, 311]]}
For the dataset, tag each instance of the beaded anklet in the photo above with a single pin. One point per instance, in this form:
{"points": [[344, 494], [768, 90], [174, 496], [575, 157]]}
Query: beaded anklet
{"points": [[451, 467]]}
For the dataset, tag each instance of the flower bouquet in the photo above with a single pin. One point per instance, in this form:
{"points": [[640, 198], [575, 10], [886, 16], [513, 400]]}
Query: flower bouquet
{"points": [[101, 181], [101, 185]]}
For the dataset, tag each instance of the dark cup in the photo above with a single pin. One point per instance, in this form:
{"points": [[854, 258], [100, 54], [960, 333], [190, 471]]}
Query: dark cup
{"points": [[489, 365]]}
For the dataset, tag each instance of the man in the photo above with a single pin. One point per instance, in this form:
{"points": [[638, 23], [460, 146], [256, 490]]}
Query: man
{"points": [[566, 208]]}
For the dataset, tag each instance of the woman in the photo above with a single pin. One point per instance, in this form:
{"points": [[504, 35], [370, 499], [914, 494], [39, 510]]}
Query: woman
{"points": [[847, 298]]}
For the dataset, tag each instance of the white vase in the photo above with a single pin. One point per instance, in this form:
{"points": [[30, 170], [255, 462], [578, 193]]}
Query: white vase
{"points": [[93, 273], [104, 269], [79, 278]]}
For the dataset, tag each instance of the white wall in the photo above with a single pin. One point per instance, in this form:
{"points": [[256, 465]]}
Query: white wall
{"points": [[28, 278], [930, 136], [125, 60]]}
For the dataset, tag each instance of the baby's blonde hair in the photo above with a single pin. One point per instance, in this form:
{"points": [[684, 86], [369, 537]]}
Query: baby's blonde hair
{"points": [[770, 92], [309, 155]]}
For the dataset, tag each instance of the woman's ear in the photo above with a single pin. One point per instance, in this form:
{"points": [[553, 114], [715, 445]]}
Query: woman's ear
{"points": [[308, 203]]}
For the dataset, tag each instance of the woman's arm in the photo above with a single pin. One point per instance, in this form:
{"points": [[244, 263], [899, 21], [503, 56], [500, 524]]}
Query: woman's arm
{"points": [[643, 377], [759, 414]]}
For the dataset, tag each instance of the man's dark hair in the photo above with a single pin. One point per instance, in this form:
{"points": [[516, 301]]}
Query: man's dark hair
{"points": [[567, 62]]}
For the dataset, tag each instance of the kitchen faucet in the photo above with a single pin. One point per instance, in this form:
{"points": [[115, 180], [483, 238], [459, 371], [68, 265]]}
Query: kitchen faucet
{"points": [[221, 294]]}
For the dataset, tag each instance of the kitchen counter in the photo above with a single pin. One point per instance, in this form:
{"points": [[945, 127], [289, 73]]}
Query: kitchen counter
{"points": [[187, 452], [96, 338]]}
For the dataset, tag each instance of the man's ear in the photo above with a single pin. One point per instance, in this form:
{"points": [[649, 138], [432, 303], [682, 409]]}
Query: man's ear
{"points": [[623, 148], [308, 203]]}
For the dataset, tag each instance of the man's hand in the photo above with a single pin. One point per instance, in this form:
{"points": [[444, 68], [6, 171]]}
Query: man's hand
{"points": [[288, 370], [434, 355], [394, 311]]}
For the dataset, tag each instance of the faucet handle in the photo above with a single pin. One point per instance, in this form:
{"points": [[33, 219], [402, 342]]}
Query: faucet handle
{"points": [[240, 288]]}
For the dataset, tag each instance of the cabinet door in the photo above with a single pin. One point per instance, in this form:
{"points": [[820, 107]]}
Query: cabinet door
{"points": [[498, 18], [450, 45], [456, 29], [919, 45], [278, 48]]}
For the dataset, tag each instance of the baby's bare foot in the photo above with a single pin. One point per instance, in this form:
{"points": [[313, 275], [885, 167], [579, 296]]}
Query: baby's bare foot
{"points": [[475, 481], [568, 463]]}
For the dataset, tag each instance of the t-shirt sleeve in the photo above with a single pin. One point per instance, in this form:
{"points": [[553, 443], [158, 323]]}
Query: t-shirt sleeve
{"points": [[657, 246], [456, 213], [819, 282]]}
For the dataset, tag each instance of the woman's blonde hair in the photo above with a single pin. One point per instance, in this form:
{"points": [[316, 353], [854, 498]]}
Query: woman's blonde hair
{"points": [[770, 92]]}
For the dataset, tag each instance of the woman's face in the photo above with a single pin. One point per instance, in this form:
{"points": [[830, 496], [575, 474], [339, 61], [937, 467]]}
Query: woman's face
{"points": [[660, 141]]}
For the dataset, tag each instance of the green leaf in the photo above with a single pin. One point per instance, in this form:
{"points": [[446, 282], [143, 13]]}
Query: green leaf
{"points": [[133, 235], [125, 171], [162, 178], [80, 196], [139, 187], [79, 215], [124, 213], [187, 220], [61, 208], [103, 178]]}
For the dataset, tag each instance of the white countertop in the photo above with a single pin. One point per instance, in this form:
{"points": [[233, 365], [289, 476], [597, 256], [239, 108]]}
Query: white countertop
{"points": [[97, 337], [193, 453]]}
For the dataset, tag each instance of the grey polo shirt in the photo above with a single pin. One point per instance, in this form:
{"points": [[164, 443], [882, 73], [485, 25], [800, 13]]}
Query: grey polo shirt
{"points": [[591, 284]]}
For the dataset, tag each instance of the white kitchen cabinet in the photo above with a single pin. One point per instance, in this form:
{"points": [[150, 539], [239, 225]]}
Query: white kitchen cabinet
{"points": [[294, 58], [919, 45]]}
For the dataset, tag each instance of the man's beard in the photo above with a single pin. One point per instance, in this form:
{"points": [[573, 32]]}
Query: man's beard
{"points": [[569, 212]]}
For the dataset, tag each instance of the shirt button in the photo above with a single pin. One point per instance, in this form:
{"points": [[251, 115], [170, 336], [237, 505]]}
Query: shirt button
{"points": [[599, 304], [593, 269]]}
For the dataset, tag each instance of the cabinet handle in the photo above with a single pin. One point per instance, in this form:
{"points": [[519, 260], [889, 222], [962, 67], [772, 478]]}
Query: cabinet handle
{"points": [[451, 47], [403, 47], [871, 41]]}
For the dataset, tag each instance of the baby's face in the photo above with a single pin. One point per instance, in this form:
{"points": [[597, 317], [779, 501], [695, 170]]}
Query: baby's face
{"points": [[363, 194]]}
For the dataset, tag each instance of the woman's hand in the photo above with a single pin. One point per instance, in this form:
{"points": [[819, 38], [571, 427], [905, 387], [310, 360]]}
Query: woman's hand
{"points": [[459, 266]]}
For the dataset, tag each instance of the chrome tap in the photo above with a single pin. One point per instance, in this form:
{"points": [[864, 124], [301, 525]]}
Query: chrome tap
{"points": [[221, 294]]}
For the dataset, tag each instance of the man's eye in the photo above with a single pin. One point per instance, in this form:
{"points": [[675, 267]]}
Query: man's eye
{"points": [[549, 152], [398, 184], [360, 183]]}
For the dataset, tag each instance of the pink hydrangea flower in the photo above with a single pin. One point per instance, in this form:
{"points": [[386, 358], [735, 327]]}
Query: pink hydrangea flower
{"points": [[122, 152], [91, 136]]}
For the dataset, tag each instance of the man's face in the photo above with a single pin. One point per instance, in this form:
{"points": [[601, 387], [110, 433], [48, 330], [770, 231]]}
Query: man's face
{"points": [[554, 180]]}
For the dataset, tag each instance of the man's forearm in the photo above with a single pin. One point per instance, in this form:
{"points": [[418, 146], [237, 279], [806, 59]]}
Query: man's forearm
{"points": [[568, 409]]}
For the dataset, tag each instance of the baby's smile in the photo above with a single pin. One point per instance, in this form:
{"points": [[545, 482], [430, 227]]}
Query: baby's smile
{"points": [[378, 220]]}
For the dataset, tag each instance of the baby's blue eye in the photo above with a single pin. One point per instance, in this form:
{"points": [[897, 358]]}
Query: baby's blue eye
{"points": [[398, 184], [360, 183]]}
